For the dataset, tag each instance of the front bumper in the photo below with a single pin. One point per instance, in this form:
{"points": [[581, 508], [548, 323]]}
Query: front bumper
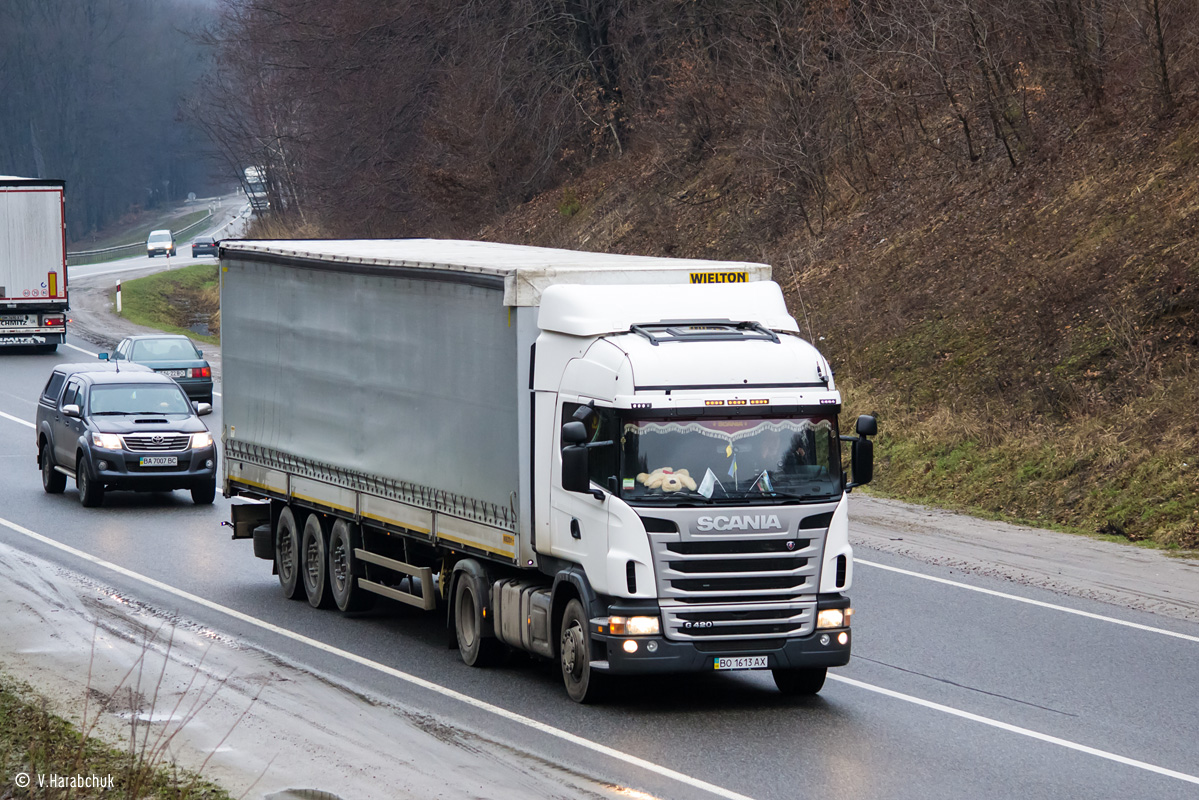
{"points": [[123, 471], [672, 657], [657, 654]]}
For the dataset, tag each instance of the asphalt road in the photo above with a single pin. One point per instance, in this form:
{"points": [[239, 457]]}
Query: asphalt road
{"points": [[962, 685]]}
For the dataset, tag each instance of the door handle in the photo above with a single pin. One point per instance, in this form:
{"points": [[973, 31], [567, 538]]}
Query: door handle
{"points": [[575, 531]]}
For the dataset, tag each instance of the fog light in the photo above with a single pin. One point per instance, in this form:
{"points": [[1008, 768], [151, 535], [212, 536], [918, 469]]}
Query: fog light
{"points": [[630, 646], [824, 640], [651, 646], [101, 465], [842, 638], [208, 464]]}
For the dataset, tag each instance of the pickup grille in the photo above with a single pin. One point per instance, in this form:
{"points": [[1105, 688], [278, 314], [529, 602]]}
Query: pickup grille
{"points": [[157, 442]]}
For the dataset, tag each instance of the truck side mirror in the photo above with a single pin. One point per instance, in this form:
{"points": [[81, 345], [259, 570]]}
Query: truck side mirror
{"points": [[863, 460], [867, 425], [576, 467], [573, 432]]}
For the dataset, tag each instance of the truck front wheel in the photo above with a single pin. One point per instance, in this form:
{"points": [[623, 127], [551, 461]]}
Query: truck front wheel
{"points": [[315, 559], [287, 555], [797, 682], [583, 684], [476, 649]]}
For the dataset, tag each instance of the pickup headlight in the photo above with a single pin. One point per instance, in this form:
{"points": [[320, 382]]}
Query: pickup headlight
{"points": [[109, 441], [633, 626], [200, 440], [834, 618]]}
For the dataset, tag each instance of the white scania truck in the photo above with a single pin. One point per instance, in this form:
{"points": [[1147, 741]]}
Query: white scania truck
{"points": [[33, 263], [625, 464]]}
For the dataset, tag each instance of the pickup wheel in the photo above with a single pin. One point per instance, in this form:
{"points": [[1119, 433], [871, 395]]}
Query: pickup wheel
{"points": [[583, 684], [314, 562], [348, 596], [798, 682], [91, 491], [476, 649], [53, 481], [287, 555], [204, 493]]}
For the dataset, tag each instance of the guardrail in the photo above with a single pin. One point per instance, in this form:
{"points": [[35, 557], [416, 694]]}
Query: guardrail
{"points": [[82, 256]]}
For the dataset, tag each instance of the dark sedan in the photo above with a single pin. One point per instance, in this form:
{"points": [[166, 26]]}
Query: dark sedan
{"points": [[204, 246], [172, 355]]}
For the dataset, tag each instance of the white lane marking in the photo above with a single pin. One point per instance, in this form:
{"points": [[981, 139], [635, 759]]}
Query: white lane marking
{"points": [[541, 727], [17, 420], [1030, 601], [90, 353], [1003, 726]]}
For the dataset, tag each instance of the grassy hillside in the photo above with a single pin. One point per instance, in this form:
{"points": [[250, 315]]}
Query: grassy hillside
{"points": [[1029, 339]]}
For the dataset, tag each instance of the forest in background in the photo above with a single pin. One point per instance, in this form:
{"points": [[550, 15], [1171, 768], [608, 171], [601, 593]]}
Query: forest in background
{"points": [[984, 210], [92, 93]]}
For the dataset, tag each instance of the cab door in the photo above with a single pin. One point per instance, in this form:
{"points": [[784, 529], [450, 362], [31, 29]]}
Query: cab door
{"points": [[67, 430], [578, 521]]}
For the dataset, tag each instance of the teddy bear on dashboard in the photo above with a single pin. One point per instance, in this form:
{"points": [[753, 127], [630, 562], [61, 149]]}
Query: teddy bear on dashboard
{"points": [[667, 479]]}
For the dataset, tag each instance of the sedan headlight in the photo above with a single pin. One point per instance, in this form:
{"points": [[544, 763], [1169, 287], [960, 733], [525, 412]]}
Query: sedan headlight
{"points": [[109, 441], [200, 440], [834, 618], [634, 626]]}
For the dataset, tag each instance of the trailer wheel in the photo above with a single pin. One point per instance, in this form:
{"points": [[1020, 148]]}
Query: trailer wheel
{"points": [[314, 560], [53, 481], [583, 684], [343, 583], [798, 682], [476, 649], [287, 555]]}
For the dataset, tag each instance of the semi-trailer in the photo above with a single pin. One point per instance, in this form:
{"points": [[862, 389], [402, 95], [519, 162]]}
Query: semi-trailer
{"points": [[627, 465], [33, 263]]}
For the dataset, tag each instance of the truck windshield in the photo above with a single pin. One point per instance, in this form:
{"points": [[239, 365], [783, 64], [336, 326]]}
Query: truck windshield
{"points": [[735, 459]]}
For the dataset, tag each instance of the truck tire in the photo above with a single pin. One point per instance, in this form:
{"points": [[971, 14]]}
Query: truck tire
{"points": [[204, 493], [287, 555], [53, 481], [799, 682], [314, 562], [343, 566], [476, 649], [91, 492], [583, 684]]}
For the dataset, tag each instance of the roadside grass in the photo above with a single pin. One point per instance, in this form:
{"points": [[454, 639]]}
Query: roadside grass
{"points": [[36, 742], [174, 300]]}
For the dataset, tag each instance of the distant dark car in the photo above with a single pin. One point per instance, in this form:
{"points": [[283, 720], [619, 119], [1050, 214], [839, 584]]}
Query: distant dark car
{"points": [[171, 355], [204, 246], [130, 430]]}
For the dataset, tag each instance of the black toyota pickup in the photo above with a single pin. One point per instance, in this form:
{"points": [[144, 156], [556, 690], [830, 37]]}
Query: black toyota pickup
{"points": [[133, 430]]}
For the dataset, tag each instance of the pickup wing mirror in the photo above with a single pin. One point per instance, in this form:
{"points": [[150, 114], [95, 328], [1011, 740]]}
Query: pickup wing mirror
{"points": [[71, 410], [202, 409]]}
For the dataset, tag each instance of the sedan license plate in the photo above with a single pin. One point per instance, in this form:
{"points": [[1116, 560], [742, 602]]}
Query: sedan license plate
{"points": [[740, 662], [159, 461], [174, 373]]}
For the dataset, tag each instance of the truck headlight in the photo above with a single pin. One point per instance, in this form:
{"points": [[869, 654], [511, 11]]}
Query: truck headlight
{"points": [[834, 618], [109, 441], [634, 626], [200, 440]]}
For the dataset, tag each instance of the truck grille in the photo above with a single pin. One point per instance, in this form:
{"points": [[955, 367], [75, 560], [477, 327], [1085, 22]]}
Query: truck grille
{"points": [[157, 442], [736, 588]]}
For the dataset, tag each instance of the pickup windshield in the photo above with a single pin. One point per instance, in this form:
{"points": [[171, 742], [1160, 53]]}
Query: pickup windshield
{"points": [[139, 399], [735, 459]]}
